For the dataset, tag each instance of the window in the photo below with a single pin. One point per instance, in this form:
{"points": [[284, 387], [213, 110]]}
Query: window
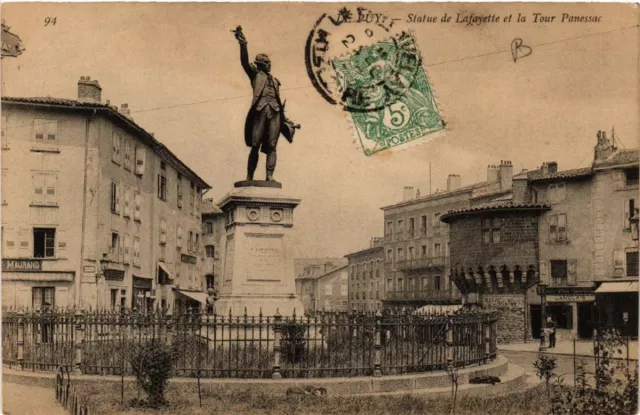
{"points": [[423, 225], [436, 283], [210, 281], [344, 289], [179, 191], [192, 200], [127, 249], [45, 132], [410, 252], [557, 192], [412, 225], [126, 212], [632, 264], [377, 273], [411, 286], [491, 230], [558, 227], [114, 298], [163, 231], [562, 314], [400, 254], [163, 166], [44, 188], [114, 246], [43, 296], [162, 187], [436, 250], [559, 271], [400, 284], [389, 255], [210, 251], [44, 242], [389, 228], [629, 211], [631, 177], [115, 198], [115, 150], [208, 228], [389, 284], [423, 251], [436, 220]]}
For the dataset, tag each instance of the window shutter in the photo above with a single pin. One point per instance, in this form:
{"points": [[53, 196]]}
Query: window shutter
{"points": [[120, 249], [51, 183], [179, 236], [137, 213], [140, 159], [127, 249], [62, 297], [117, 195], [163, 231], [626, 214], [38, 188], [39, 127], [24, 237], [52, 131], [562, 227], [61, 240], [572, 272], [10, 248], [618, 263], [127, 202], [544, 273]]}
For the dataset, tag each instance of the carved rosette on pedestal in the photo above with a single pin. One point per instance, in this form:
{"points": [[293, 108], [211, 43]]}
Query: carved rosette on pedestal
{"points": [[258, 258]]}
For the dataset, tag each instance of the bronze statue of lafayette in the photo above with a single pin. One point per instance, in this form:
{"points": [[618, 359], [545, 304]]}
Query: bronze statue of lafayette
{"points": [[265, 120]]}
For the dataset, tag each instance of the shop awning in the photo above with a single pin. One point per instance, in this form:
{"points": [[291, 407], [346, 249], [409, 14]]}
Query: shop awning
{"points": [[618, 287], [164, 268], [195, 295]]}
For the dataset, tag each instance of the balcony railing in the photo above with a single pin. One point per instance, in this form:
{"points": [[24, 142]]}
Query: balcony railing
{"points": [[440, 295], [419, 263]]}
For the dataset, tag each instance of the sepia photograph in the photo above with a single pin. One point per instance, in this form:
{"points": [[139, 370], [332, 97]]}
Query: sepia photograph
{"points": [[320, 208]]}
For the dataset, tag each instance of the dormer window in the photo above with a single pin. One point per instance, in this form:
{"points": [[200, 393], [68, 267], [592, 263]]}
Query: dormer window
{"points": [[631, 177]]}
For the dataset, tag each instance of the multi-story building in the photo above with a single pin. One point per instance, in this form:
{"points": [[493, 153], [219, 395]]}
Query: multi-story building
{"points": [[562, 245], [366, 277], [332, 290], [109, 216], [213, 234], [309, 272], [615, 241], [417, 242]]}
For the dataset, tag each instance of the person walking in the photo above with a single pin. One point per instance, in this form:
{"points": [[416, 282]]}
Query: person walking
{"points": [[551, 326]]}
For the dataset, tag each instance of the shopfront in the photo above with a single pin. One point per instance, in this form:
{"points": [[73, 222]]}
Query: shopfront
{"points": [[573, 311], [617, 306], [142, 298]]}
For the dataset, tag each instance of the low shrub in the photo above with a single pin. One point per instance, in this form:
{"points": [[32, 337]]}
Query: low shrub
{"points": [[151, 363]]}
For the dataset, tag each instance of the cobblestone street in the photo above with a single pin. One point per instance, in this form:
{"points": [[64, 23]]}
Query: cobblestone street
{"points": [[29, 400]]}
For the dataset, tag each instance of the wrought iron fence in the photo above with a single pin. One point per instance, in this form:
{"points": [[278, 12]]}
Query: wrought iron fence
{"points": [[211, 346]]}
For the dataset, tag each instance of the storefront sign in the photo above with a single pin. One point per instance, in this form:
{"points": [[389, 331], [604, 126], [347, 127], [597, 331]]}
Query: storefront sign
{"points": [[494, 302], [570, 298], [21, 265], [142, 283], [188, 259], [113, 275]]}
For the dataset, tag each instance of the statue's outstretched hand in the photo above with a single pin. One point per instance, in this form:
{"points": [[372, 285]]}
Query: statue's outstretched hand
{"points": [[239, 35]]}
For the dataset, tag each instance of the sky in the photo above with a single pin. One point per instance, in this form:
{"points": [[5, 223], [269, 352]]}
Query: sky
{"points": [[177, 66]]}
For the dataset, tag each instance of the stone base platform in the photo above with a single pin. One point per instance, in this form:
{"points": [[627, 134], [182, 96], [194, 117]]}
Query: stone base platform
{"points": [[436, 384], [254, 304]]}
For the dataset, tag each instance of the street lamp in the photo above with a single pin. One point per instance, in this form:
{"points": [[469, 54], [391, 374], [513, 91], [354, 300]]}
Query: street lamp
{"points": [[540, 289]]}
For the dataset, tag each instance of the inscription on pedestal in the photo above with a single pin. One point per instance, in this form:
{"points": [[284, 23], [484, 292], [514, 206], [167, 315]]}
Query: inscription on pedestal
{"points": [[266, 256]]}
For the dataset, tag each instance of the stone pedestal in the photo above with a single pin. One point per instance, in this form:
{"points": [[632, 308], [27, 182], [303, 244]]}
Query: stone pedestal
{"points": [[258, 257]]}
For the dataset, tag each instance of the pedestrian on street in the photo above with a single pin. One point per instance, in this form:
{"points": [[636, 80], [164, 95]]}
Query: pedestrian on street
{"points": [[551, 326]]}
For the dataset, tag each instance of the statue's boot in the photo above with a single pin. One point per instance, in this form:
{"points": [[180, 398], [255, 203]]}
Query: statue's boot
{"points": [[270, 176]]}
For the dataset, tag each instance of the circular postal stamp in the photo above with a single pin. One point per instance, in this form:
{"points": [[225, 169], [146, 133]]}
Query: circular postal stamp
{"points": [[373, 69], [357, 60]]}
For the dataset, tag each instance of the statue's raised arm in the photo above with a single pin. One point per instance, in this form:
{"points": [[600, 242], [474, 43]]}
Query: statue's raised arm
{"points": [[244, 53]]}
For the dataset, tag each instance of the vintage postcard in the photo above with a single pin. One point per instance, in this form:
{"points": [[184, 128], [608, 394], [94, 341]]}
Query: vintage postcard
{"points": [[319, 208]]}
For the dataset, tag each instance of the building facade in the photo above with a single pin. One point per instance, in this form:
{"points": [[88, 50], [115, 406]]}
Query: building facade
{"points": [[110, 218], [417, 243], [366, 277], [213, 236], [332, 290], [308, 271]]}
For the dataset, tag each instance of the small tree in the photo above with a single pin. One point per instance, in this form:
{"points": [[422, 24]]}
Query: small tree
{"points": [[545, 369], [151, 363]]}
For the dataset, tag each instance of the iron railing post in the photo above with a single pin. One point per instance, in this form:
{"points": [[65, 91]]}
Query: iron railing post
{"points": [[79, 340], [277, 335], [487, 339], [20, 339], [377, 372], [449, 342]]}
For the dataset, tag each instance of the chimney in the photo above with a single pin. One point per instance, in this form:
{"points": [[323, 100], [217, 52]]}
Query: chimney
{"points": [[604, 148], [552, 166], [506, 174], [544, 168], [492, 173], [453, 182], [89, 91], [124, 110], [408, 193]]}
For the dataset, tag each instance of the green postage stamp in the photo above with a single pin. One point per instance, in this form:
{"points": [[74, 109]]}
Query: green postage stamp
{"points": [[387, 92]]}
